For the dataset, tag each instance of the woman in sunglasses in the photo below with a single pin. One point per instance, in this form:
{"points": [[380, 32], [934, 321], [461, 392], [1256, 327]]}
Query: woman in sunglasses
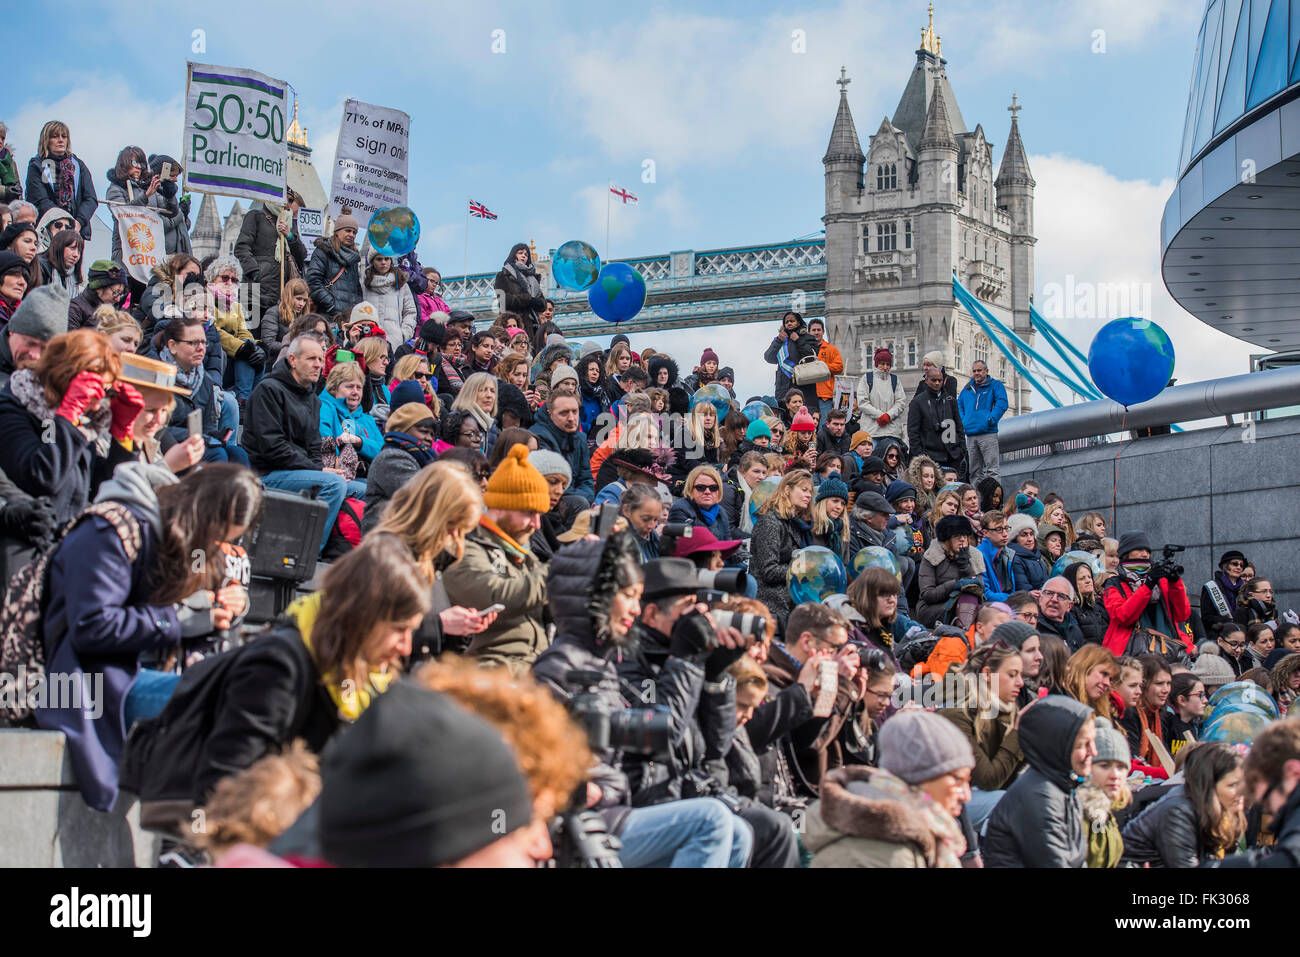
{"points": [[1255, 603], [701, 503]]}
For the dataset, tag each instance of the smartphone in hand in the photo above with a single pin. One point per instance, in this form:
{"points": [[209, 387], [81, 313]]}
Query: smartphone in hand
{"points": [[194, 422], [828, 687]]}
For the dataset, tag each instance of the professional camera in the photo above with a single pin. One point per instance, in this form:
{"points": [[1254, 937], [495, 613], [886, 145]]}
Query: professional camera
{"points": [[581, 839], [637, 730], [678, 530], [1167, 568], [728, 581], [747, 623]]}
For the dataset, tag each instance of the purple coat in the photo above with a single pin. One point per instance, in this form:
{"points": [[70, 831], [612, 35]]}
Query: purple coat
{"points": [[97, 623]]}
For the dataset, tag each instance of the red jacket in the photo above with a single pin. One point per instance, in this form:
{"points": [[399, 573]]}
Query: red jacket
{"points": [[1125, 605]]}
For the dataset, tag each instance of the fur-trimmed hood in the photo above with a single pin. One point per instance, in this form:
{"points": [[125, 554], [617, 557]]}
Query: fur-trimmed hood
{"points": [[1095, 803], [658, 362], [870, 804]]}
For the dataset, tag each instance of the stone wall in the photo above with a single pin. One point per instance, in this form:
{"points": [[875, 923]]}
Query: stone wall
{"points": [[1207, 489], [45, 823]]}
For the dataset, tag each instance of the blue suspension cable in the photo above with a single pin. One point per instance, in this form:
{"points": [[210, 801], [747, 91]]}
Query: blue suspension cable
{"points": [[1055, 340], [1037, 318], [1020, 367], [972, 305]]}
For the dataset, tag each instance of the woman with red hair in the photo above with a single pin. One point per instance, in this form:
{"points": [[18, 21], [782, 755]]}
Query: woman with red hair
{"points": [[59, 419]]}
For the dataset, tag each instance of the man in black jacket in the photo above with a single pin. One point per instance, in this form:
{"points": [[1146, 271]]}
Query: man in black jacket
{"points": [[704, 711], [934, 424], [282, 432], [583, 580], [1056, 599], [259, 236]]}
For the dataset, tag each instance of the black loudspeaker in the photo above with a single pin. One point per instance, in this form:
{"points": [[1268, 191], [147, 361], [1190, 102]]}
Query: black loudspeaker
{"points": [[268, 598], [286, 540]]}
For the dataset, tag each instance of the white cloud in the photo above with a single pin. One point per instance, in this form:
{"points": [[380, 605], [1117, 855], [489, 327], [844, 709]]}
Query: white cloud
{"points": [[1104, 232]]}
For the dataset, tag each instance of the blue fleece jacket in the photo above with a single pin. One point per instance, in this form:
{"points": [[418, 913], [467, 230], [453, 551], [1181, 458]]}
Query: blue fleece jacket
{"points": [[982, 407]]}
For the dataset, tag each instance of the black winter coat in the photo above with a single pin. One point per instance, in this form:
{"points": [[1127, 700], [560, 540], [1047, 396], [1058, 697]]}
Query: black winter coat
{"points": [[1164, 834], [255, 250], [703, 718], [333, 296], [1285, 851], [1038, 822], [1068, 631], [1093, 620], [928, 418], [282, 427], [752, 761], [42, 194], [801, 348], [685, 510], [570, 575], [52, 459], [774, 541], [239, 706]]}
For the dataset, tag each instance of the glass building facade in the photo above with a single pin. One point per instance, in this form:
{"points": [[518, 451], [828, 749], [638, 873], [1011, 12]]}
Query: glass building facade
{"points": [[1247, 52]]}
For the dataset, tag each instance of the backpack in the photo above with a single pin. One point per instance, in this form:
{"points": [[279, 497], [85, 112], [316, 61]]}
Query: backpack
{"points": [[22, 645], [916, 650], [960, 611], [871, 381], [1144, 641], [346, 534]]}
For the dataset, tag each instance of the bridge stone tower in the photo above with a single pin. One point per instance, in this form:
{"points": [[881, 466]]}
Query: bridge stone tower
{"points": [[926, 204]]}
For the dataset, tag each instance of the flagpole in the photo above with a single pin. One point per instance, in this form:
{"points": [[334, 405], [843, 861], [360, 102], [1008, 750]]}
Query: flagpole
{"points": [[464, 283], [609, 191]]}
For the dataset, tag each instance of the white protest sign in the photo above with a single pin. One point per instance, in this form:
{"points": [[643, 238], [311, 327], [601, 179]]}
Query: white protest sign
{"points": [[311, 225], [144, 239], [844, 390], [234, 133], [370, 163]]}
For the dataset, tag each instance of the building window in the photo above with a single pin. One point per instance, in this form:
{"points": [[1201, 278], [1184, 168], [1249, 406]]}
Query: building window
{"points": [[997, 249], [887, 176], [956, 355], [886, 236], [981, 350], [911, 354], [986, 200], [907, 234], [866, 240]]}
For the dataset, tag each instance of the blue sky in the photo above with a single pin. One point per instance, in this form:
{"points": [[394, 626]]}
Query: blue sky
{"points": [[735, 121]]}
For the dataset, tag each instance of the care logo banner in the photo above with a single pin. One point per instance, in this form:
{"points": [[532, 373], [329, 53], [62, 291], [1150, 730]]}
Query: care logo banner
{"points": [[234, 132], [370, 164], [143, 239]]}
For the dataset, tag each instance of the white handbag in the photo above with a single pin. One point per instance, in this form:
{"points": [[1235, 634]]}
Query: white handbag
{"points": [[810, 371]]}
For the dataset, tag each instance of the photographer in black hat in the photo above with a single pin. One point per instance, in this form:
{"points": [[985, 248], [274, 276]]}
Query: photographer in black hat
{"points": [[668, 670], [595, 589]]}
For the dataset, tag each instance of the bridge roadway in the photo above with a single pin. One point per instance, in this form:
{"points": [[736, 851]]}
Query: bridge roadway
{"points": [[685, 289]]}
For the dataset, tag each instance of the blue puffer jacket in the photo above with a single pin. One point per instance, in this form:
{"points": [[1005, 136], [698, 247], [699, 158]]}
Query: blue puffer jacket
{"points": [[1028, 567], [981, 407], [334, 412]]}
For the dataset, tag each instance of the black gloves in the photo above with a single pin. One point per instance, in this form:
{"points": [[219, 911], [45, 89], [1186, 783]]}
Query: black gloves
{"points": [[692, 635], [250, 352], [719, 660], [538, 303], [185, 205], [29, 519], [13, 191]]}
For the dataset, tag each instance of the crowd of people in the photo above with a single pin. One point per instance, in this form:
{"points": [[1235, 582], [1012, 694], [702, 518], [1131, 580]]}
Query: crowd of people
{"points": [[556, 620]]}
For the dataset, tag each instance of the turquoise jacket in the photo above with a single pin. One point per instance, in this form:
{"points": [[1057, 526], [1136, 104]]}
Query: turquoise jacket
{"points": [[334, 412]]}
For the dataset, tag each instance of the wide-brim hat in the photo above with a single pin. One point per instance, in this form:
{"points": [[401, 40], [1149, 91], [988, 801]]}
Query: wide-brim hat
{"points": [[145, 373], [703, 540]]}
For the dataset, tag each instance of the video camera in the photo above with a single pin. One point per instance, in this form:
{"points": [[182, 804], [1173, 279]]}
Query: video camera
{"points": [[641, 731], [1167, 568]]}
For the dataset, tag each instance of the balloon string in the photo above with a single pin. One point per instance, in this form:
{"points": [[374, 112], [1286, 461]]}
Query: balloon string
{"points": [[1114, 486]]}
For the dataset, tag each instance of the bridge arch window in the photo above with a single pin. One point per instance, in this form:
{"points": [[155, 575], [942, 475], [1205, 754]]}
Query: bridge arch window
{"points": [[886, 176], [886, 236]]}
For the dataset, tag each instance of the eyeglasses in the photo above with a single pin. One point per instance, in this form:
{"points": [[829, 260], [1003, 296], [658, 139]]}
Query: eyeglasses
{"points": [[1030, 617], [60, 224], [1058, 596], [483, 472], [996, 528], [226, 279], [1238, 645], [701, 487], [1199, 694], [1236, 564], [424, 375], [468, 433], [192, 343]]}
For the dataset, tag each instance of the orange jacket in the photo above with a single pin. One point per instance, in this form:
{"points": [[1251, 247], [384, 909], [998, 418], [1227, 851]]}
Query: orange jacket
{"points": [[605, 449], [835, 362], [949, 650]]}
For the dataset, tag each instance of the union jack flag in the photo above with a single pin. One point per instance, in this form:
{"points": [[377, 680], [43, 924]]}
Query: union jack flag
{"points": [[481, 211], [623, 195]]}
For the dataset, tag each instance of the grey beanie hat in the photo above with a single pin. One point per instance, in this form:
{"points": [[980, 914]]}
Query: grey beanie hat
{"points": [[919, 745], [1112, 745], [589, 348], [550, 463], [1131, 540], [562, 372], [43, 314], [1014, 633], [1213, 671]]}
